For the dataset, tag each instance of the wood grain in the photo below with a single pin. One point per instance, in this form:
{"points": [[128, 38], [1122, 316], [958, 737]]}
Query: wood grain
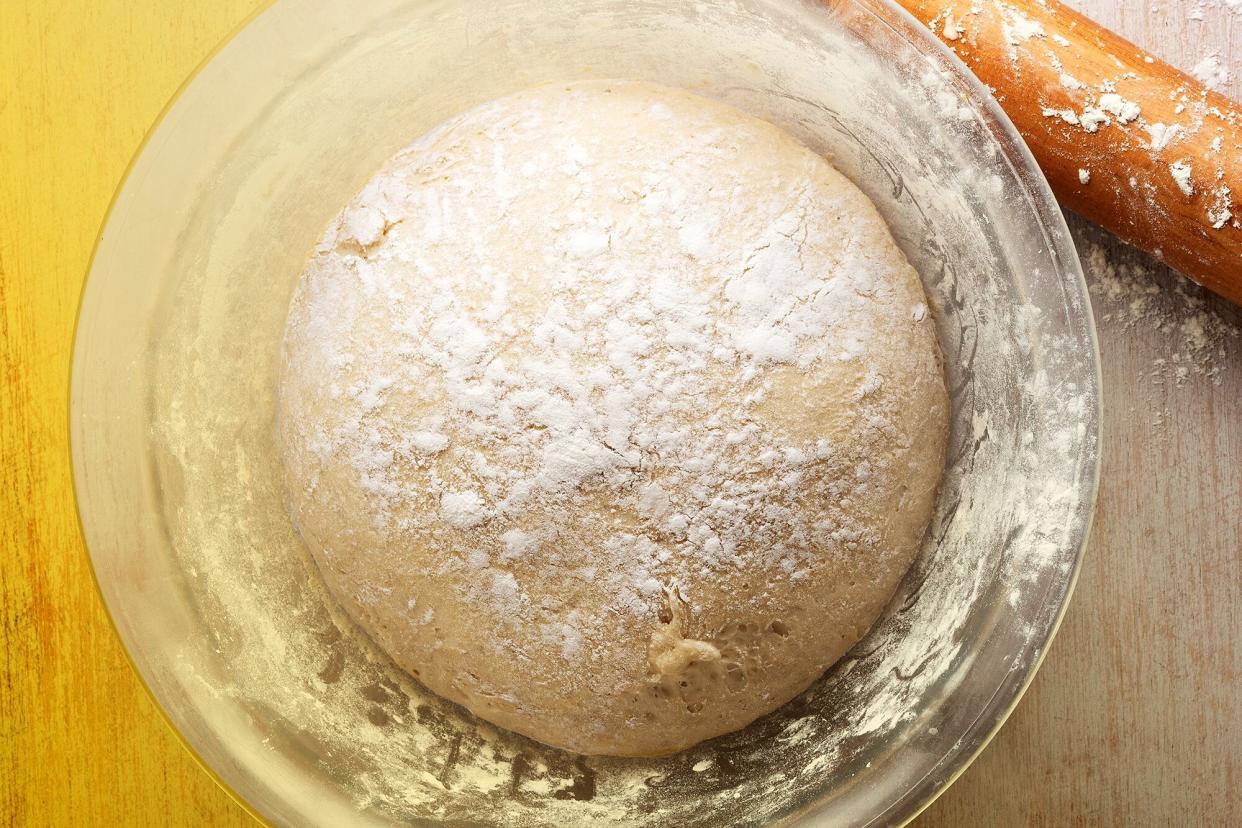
{"points": [[1048, 78], [80, 742], [1134, 719]]}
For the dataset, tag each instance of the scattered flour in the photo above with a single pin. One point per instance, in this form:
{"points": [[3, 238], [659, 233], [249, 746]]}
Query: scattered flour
{"points": [[1124, 110], [953, 29], [1163, 134], [1211, 72], [1072, 101], [1133, 295], [1220, 211], [1181, 172], [1092, 118], [1067, 115], [1020, 28]]}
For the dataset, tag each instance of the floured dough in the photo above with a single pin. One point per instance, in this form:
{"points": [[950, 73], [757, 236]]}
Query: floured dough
{"points": [[611, 413]]}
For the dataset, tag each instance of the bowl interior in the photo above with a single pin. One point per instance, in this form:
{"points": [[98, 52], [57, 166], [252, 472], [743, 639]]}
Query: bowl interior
{"points": [[173, 404]]}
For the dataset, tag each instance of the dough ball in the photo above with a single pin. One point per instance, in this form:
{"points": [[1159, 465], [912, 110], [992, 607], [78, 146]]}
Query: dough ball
{"points": [[612, 414]]}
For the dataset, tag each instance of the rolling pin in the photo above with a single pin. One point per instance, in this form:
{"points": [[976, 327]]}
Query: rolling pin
{"points": [[1125, 139]]}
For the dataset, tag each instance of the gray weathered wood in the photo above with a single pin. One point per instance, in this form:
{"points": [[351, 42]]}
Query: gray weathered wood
{"points": [[1136, 715]]}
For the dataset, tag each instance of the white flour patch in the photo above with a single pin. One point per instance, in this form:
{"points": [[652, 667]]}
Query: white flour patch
{"points": [[1124, 110], [1211, 72], [1162, 135], [1181, 172]]}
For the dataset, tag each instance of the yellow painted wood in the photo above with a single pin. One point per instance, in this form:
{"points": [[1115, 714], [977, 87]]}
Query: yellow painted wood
{"points": [[81, 744]]}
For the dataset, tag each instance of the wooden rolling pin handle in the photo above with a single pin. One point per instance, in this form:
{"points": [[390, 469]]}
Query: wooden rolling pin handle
{"points": [[1124, 139]]}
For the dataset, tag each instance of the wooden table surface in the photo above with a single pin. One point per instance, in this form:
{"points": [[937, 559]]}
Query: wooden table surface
{"points": [[1135, 718]]}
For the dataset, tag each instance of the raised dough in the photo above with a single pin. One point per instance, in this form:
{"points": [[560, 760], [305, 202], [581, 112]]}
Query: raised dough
{"points": [[611, 413]]}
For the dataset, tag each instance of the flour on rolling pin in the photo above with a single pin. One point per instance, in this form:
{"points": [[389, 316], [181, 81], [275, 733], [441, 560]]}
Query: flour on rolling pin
{"points": [[1150, 153]]}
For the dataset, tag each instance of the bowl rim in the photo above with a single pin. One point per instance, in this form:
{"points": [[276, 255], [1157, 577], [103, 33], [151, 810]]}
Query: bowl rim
{"points": [[997, 709], [122, 182]]}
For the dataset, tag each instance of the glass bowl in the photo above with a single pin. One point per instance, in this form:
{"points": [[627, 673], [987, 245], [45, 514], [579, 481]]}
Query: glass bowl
{"points": [[172, 403]]}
